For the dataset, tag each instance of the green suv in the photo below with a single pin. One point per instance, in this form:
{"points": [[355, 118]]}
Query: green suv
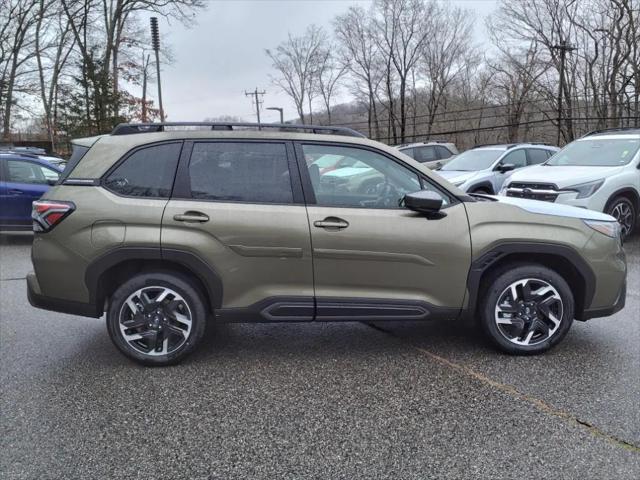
{"points": [[168, 226]]}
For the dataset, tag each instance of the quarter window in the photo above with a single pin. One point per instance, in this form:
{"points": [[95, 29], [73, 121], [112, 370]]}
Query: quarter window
{"points": [[148, 172], [372, 180], [240, 172]]}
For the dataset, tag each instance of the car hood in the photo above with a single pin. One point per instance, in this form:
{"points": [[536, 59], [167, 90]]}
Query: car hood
{"points": [[562, 176], [556, 209], [456, 176]]}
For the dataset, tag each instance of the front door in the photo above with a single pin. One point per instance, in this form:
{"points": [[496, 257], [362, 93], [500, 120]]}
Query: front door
{"points": [[373, 258], [238, 206]]}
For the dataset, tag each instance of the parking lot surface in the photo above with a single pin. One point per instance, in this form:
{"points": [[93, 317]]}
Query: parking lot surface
{"points": [[348, 400]]}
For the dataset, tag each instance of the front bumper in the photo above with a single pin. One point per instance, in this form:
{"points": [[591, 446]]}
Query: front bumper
{"points": [[609, 310], [36, 299]]}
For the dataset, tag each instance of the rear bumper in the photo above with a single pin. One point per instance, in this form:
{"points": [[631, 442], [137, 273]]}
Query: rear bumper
{"points": [[610, 310], [38, 300]]}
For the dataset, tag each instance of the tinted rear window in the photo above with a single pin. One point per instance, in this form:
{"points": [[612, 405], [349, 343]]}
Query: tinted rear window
{"points": [[240, 172], [147, 172]]}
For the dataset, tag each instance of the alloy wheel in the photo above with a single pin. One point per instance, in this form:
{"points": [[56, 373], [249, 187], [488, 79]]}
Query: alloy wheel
{"points": [[623, 213], [528, 311], [155, 320]]}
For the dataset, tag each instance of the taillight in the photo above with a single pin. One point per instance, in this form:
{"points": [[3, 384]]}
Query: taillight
{"points": [[46, 214]]}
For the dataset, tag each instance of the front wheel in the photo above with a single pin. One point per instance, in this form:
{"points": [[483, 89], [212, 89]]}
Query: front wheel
{"points": [[156, 318], [623, 210], [527, 309]]}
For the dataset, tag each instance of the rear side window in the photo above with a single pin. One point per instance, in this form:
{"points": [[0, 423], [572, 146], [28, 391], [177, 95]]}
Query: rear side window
{"points": [[537, 155], [251, 172], [425, 154], [148, 172], [27, 172], [409, 151]]}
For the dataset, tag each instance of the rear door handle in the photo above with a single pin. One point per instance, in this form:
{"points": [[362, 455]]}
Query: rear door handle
{"points": [[14, 191], [331, 223], [198, 217]]}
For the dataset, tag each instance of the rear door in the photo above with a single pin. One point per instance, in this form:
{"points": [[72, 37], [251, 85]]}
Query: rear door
{"points": [[373, 259], [24, 182], [238, 206]]}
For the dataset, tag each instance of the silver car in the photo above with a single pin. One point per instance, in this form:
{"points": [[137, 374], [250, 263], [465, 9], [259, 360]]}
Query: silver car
{"points": [[484, 169], [431, 154]]}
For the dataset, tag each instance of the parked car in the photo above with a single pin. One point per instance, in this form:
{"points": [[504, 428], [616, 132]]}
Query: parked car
{"points": [[484, 169], [23, 179], [431, 154], [327, 163], [600, 171], [168, 229]]}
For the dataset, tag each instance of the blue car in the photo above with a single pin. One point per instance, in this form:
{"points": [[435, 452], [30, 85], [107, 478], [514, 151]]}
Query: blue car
{"points": [[23, 179]]}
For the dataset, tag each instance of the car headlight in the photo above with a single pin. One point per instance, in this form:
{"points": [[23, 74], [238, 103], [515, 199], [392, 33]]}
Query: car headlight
{"points": [[610, 229], [586, 189]]}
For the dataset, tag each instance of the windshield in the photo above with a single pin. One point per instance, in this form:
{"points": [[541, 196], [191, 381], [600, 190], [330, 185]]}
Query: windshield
{"points": [[473, 160], [596, 153]]}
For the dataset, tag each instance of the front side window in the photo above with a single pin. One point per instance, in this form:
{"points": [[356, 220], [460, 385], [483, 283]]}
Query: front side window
{"points": [[372, 180], [148, 172], [597, 152], [27, 172], [518, 158], [443, 152], [251, 172], [537, 156], [474, 160]]}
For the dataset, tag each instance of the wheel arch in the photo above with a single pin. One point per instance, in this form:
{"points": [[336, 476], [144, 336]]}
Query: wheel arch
{"points": [[561, 258], [108, 271], [627, 192], [484, 185]]}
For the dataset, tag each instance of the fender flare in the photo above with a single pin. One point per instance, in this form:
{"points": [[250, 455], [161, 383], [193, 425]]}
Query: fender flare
{"points": [[121, 255], [502, 249]]}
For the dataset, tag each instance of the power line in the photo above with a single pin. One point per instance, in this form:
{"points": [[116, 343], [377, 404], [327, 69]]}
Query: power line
{"points": [[519, 124], [256, 99]]}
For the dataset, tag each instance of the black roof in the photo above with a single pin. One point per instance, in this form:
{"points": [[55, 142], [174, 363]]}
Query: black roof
{"points": [[132, 128]]}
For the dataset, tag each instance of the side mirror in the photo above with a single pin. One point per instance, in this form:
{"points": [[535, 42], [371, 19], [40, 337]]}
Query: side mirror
{"points": [[51, 181], [506, 167], [424, 201]]}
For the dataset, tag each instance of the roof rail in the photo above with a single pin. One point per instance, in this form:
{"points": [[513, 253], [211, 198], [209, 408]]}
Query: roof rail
{"points": [[20, 153], [492, 145], [612, 129], [131, 128]]}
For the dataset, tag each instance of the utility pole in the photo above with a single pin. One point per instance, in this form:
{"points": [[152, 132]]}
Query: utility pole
{"points": [[564, 47], [279, 109], [155, 42], [256, 98]]}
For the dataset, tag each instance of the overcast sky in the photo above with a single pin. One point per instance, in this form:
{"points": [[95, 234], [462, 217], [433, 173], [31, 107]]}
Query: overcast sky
{"points": [[222, 55]]}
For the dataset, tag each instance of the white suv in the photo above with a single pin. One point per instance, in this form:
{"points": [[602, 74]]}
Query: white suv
{"points": [[600, 171]]}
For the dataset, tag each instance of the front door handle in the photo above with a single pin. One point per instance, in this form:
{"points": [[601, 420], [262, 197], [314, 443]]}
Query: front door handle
{"points": [[331, 223], [191, 217], [14, 191]]}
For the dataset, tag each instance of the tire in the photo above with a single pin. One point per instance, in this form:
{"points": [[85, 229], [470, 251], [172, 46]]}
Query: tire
{"points": [[623, 210], [170, 315], [508, 324]]}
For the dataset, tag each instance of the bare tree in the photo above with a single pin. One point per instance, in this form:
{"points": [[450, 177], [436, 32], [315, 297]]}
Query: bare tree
{"points": [[360, 54], [329, 73], [295, 60], [402, 34]]}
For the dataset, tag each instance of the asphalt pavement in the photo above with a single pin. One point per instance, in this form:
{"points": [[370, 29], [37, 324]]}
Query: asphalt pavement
{"points": [[334, 401]]}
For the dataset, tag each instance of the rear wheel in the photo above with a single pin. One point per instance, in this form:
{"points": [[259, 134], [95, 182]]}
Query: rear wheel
{"points": [[624, 211], [527, 309], [156, 318]]}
